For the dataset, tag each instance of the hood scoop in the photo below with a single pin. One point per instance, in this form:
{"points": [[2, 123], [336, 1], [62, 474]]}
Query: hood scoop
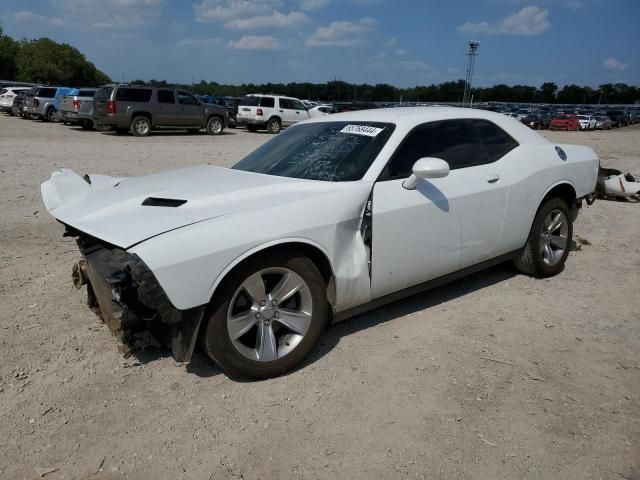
{"points": [[163, 202]]}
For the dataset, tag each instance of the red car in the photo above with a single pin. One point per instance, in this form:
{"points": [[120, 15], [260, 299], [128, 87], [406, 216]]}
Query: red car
{"points": [[566, 121]]}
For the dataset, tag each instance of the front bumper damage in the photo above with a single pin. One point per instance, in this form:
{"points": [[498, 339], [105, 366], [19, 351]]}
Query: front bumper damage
{"points": [[125, 294]]}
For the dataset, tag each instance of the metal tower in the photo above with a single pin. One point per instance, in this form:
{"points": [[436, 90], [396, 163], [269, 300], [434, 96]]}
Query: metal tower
{"points": [[473, 53]]}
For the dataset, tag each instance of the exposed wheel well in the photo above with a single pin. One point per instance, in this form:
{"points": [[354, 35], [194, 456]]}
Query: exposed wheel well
{"points": [[275, 117], [564, 191], [216, 115]]}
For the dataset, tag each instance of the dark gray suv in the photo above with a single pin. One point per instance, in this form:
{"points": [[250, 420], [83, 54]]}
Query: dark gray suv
{"points": [[143, 109]]}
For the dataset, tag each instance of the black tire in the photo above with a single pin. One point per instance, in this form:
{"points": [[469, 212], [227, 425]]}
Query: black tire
{"points": [[52, 115], [141, 126], [274, 126], [252, 128], [531, 260], [215, 125], [216, 339], [86, 124]]}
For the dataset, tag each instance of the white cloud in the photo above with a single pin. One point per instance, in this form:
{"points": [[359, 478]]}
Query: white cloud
{"points": [[392, 42], [275, 20], [227, 10], [109, 14], [32, 19], [313, 4], [367, 3], [200, 42], [528, 21], [341, 34], [254, 42], [401, 52], [615, 64]]}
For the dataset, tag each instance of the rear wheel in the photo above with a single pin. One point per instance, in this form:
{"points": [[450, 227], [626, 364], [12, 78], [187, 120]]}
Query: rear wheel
{"points": [[52, 115], [267, 316], [141, 126], [86, 124], [274, 126], [549, 241]]}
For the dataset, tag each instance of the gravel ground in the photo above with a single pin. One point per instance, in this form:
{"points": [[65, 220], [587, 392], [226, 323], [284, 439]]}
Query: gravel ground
{"points": [[495, 376]]}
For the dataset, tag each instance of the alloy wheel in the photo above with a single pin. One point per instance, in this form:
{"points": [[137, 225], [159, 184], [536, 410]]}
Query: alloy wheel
{"points": [[269, 314], [553, 237]]}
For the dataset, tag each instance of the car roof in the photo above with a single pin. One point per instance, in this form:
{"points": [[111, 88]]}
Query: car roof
{"points": [[408, 117]]}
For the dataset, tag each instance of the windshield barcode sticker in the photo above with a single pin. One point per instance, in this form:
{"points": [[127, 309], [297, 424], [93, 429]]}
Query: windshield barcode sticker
{"points": [[361, 130]]}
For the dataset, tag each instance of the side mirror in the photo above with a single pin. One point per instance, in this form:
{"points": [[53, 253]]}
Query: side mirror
{"points": [[427, 167]]}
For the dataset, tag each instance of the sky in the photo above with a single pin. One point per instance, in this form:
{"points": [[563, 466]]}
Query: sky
{"points": [[401, 42]]}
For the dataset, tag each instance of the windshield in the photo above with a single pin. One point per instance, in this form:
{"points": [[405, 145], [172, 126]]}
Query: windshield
{"points": [[329, 151]]}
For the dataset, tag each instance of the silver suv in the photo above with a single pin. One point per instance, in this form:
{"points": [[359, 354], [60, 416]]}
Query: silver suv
{"points": [[272, 112], [143, 109]]}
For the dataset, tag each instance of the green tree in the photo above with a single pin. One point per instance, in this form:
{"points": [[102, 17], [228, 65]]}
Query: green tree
{"points": [[8, 53], [45, 61], [548, 91]]}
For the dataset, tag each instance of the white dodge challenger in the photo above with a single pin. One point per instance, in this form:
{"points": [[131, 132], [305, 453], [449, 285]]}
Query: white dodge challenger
{"points": [[332, 217]]}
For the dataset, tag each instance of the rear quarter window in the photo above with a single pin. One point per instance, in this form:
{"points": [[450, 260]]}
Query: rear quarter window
{"points": [[86, 93], [496, 141], [267, 102], [133, 95]]}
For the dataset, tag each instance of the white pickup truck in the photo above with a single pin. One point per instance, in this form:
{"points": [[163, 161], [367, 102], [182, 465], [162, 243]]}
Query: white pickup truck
{"points": [[78, 107]]}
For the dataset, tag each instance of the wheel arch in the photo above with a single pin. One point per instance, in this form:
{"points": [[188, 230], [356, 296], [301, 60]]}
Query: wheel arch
{"points": [[562, 189], [275, 117], [141, 114], [309, 248]]}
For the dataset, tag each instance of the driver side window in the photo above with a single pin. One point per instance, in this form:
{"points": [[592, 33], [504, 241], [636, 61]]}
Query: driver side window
{"points": [[185, 98], [454, 141], [421, 142]]}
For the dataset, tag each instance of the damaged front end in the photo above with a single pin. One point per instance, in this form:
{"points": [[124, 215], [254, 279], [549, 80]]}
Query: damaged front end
{"points": [[125, 294]]}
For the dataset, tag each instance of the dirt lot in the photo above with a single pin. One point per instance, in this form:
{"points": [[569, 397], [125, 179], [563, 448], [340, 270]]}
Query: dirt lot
{"points": [[495, 376]]}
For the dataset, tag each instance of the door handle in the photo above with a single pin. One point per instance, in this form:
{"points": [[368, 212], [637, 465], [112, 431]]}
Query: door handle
{"points": [[493, 177], [281, 111]]}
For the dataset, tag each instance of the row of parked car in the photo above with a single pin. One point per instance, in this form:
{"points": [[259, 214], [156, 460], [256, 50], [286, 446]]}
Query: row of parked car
{"points": [[576, 118], [142, 109]]}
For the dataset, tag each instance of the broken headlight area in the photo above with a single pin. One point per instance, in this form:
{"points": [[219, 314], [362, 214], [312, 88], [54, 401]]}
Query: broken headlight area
{"points": [[125, 294]]}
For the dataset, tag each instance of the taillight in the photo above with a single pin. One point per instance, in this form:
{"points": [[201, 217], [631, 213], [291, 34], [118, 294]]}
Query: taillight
{"points": [[259, 112], [36, 102], [111, 106], [76, 104]]}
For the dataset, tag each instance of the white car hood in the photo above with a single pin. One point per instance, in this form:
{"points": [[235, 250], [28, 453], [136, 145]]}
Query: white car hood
{"points": [[111, 209]]}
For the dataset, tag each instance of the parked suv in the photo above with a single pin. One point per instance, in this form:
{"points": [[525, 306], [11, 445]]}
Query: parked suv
{"points": [[271, 112], [7, 95], [143, 109]]}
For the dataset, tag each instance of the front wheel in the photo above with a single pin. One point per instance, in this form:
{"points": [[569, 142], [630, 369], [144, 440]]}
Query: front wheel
{"points": [[267, 316], [215, 126], [549, 241]]}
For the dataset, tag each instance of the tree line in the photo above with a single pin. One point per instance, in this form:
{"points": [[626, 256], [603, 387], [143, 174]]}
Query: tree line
{"points": [[45, 61], [339, 91]]}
